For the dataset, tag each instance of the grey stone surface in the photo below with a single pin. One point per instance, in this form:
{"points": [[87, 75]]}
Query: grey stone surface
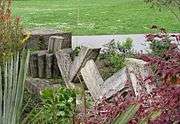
{"points": [[57, 43], [49, 65], [42, 63], [139, 72], [33, 65], [99, 88], [36, 85], [99, 41], [55, 69], [40, 37], [84, 55], [93, 79], [64, 62], [134, 73], [115, 83]]}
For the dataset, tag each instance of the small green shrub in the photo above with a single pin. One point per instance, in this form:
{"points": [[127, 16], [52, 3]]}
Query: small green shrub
{"points": [[75, 52], [158, 48], [116, 60], [58, 107], [159, 42], [126, 46], [117, 52]]}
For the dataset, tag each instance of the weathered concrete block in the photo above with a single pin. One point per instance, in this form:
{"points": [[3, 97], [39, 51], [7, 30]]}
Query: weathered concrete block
{"points": [[40, 37], [55, 69], [57, 43], [99, 88], [135, 73], [115, 83], [49, 65], [139, 72], [42, 63], [85, 54], [36, 85], [33, 65], [93, 79], [69, 69], [64, 61]]}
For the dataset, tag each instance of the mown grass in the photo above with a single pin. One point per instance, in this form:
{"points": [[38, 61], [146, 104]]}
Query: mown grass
{"points": [[90, 17]]}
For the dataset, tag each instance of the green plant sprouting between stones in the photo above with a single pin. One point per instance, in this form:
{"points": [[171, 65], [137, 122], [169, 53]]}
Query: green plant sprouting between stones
{"points": [[58, 107], [117, 52]]}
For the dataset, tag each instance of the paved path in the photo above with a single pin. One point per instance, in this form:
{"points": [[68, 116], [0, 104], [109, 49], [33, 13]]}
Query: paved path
{"points": [[100, 40]]}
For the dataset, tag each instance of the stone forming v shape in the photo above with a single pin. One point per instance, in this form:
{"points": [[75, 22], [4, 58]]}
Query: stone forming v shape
{"points": [[100, 88], [70, 69], [134, 70], [84, 64]]}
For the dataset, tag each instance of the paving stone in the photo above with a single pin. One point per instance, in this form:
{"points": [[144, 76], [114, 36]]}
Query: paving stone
{"points": [[36, 85], [84, 55], [64, 62], [93, 79]]}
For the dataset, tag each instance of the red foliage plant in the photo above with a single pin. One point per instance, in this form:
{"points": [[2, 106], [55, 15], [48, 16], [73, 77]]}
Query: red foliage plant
{"points": [[166, 68], [168, 64], [165, 99]]}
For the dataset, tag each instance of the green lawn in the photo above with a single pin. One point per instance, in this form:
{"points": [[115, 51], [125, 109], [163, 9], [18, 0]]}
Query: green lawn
{"points": [[94, 16]]}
